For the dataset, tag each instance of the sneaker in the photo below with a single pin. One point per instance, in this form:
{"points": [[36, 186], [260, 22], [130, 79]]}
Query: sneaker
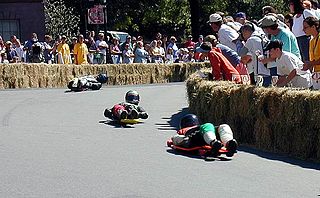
{"points": [[143, 115], [231, 146], [108, 113], [123, 114], [134, 114], [215, 147]]}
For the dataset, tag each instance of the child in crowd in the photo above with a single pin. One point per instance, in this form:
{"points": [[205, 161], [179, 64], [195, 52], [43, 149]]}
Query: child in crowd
{"points": [[129, 109], [192, 134], [169, 56], [87, 82]]}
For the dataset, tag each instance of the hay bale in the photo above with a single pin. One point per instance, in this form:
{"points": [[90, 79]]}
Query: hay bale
{"points": [[283, 120]]}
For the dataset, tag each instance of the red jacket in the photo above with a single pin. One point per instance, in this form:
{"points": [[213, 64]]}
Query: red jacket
{"points": [[222, 69]]}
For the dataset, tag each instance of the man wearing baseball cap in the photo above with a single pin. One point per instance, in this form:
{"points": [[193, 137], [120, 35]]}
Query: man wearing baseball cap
{"points": [[289, 67], [226, 35], [269, 24]]}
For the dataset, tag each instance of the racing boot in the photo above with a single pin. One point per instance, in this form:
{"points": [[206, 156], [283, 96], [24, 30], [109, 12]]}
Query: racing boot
{"points": [[143, 115], [108, 113], [231, 146], [134, 114], [216, 145], [123, 114]]}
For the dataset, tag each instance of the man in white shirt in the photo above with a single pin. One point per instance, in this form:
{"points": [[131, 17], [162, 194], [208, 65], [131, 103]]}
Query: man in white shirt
{"points": [[226, 35], [102, 46], [289, 67], [254, 42]]}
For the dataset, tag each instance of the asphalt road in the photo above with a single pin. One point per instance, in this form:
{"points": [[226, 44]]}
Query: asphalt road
{"points": [[57, 144]]}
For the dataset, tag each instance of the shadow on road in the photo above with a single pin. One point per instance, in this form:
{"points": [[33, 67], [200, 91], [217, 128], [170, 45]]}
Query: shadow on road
{"points": [[173, 122], [115, 124], [280, 157], [195, 155]]}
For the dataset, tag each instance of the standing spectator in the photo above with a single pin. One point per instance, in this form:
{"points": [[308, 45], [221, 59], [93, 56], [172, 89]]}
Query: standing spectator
{"points": [[199, 43], [241, 18], [102, 47], [11, 54], [315, 7], [28, 47], [134, 42], [254, 42], [128, 41], [63, 51], [141, 55], [288, 20], [169, 56], [155, 52], [268, 9], [226, 35], [174, 47], [115, 51], [94, 56], [128, 55], [80, 51], [47, 49], [299, 14], [311, 28], [162, 51], [2, 48], [189, 44], [289, 67], [269, 24], [18, 47]]}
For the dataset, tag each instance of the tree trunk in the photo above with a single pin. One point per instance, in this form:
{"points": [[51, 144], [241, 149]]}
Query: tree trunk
{"points": [[194, 10]]}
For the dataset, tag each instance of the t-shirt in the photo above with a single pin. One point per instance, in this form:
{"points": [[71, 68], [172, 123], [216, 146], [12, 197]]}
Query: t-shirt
{"points": [[297, 26], [81, 52], [64, 49], [289, 41], [314, 51], [287, 63]]}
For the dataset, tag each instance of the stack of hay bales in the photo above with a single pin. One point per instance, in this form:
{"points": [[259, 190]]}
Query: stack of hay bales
{"points": [[283, 120], [26, 75]]}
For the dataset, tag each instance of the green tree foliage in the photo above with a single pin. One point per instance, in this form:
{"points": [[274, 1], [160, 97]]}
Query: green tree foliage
{"points": [[59, 19], [171, 17]]}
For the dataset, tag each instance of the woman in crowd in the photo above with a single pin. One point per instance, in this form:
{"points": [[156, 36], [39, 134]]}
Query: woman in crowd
{"points": [[311, 28]]}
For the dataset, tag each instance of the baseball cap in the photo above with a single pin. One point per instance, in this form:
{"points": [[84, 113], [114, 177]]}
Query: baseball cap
{"points": [[241, 15], [214, 18], [273, 44], [209, 38], [267, 21]]}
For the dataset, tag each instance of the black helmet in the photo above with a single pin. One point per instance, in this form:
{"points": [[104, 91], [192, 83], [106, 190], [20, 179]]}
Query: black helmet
{"points": [[132, 97], [102, 78], [189, 120]]}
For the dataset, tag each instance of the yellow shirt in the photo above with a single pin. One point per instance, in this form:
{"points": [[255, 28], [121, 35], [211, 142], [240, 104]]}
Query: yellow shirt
{"points": [[64, 49], [314, 51], [80, 52]]}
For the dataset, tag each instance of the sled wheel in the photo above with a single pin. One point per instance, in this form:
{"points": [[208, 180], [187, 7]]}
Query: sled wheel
{"points": [[169, 143]]}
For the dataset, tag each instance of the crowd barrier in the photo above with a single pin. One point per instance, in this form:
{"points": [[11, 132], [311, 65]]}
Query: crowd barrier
{"points": [[32, 75], [281, 120]]}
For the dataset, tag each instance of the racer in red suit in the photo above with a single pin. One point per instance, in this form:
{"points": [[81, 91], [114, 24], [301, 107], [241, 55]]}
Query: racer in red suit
{"points": [[127, 110]]}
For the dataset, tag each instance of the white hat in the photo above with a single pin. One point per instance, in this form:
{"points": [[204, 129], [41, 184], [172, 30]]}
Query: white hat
{"points": [[214, 18]]}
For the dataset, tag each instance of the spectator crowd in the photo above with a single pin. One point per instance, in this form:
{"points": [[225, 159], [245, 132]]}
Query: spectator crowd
{"points": [[281, 50]]}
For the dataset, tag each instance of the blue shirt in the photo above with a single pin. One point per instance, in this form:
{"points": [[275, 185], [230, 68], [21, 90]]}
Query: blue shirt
{"points": [[230, 54]]}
